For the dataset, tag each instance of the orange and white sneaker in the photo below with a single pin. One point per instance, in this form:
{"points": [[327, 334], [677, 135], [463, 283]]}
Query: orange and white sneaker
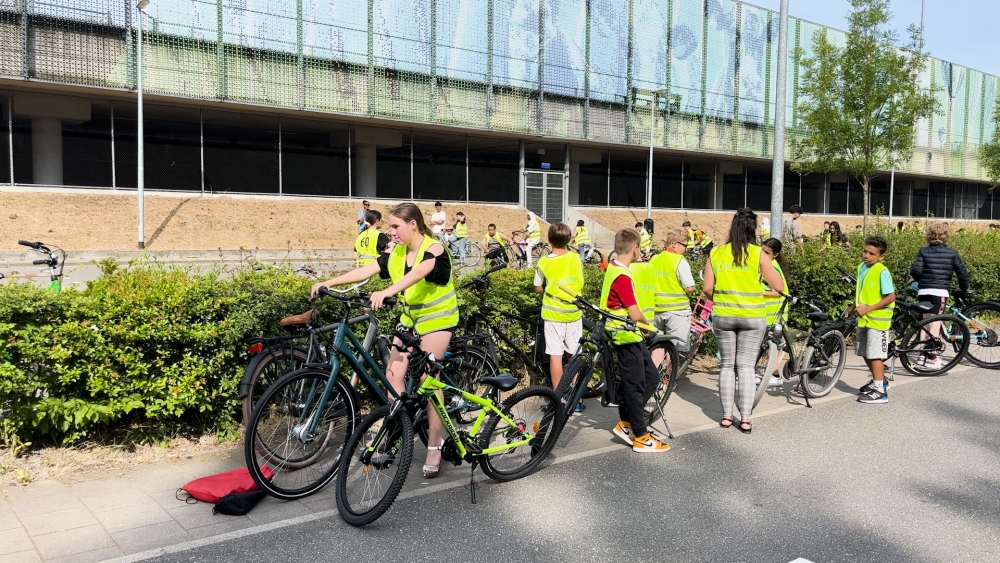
{"points": [[648, 444], [624, 431]]}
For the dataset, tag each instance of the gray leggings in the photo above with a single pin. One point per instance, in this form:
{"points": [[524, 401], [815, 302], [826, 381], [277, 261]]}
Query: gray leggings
{"points": [[739, 342]]}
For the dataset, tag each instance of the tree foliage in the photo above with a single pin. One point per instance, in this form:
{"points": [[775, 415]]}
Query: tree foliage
{"points": [[989, 154], [860, 102]]}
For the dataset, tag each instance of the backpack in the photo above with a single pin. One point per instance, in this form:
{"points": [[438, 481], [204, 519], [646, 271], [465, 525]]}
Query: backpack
{"points": [[214, 487]]}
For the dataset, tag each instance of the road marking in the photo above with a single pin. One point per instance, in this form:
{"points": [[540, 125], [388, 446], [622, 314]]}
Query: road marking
{"points": [[801, 560]]}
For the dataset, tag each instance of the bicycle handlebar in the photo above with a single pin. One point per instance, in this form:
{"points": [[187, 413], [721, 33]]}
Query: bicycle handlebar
{"points": [[34, 245], [42, 262], [580, 301], [482, 279], [360, 298]]}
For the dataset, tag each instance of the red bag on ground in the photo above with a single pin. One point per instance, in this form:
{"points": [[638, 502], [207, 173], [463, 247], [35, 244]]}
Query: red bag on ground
{"points": [[214, 487]]}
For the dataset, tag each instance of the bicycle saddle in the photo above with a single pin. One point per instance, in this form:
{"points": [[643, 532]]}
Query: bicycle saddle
{"points": [[303, 319], [817, 316], [504, 381], [925, 306]]}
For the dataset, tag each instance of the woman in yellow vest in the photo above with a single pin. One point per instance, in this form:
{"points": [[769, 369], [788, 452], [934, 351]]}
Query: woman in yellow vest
{"points": [[370, 242], [582, 241], [420, 268], [733, 280]]}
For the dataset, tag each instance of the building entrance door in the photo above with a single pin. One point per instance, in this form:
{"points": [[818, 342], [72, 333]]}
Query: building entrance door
{"points": [[546, 194]]}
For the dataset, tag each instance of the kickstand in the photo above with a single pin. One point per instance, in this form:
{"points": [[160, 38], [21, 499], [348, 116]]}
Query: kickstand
{"points": [[805, 394], [472, 482], [663, 417]]}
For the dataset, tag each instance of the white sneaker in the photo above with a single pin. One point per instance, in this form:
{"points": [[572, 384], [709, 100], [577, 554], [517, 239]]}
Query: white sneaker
{"points": [[775, 382], [932, 363]]}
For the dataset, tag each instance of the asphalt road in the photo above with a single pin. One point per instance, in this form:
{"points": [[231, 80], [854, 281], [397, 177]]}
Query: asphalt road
{"points": [[914, 480]]}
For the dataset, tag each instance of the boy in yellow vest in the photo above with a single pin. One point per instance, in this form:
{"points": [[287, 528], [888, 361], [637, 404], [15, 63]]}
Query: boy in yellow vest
{"points": [[458, 235], [563, 320], [645, 240], [638, 374], [370, 242], [494, 243], [875, 299], [674, 282], [582, 241]]}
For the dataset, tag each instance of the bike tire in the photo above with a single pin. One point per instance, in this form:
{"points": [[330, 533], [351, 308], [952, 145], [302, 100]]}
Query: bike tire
{"points": [[367, 471], [595, 258], [571, 389], [299, 467], [958, 342], [666, 381], [536, 410], [820, 382], [986, 338], [767, 360], [271, 367], [539, 250], [473, 254]]}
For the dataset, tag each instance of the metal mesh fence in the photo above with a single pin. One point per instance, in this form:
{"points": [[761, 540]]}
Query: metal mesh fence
{"points": [[574, 69]]}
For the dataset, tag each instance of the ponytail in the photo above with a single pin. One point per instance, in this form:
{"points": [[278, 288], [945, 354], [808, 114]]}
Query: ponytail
{"points": [[410, 212]]}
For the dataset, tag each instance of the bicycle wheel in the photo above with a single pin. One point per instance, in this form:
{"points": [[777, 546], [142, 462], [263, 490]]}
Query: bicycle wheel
{"points": [[473, 254], [921, 348], [539, 250], [595, 257], [376, 461], [270, 368], [767, 361], [984, 324], [667, 370], [571, 389], [293, 444], [826, 364], [535, 411]]}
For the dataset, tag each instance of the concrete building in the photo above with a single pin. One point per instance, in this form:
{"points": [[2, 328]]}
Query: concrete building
{"points": [[542, 102]]}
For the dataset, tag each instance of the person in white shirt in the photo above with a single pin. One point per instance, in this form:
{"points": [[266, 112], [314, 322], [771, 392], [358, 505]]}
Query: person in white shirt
{"points": [[438, 219], [791, 230]]}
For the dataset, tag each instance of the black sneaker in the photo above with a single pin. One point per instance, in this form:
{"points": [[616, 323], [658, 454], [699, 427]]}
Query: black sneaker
{"points": [[870, 386], [873, 397]]}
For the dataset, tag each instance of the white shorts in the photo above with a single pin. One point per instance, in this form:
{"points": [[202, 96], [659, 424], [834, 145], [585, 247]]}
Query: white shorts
{"points": [[677, 326], [562, 338], [871, 344]]}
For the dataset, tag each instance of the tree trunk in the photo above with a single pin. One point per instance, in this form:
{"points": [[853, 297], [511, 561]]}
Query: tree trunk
{"points": [[865, 180]]}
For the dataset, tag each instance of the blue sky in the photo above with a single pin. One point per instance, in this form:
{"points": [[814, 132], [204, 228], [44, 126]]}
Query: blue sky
{"points": [[959, 31]]}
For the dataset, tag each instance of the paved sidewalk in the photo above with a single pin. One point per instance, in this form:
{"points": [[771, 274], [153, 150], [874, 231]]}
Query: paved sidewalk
{"points": [[137, 513]]}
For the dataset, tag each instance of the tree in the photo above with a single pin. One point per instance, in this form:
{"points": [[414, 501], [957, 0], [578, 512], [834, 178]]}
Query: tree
{"points": [[860, 102], [989, 154]]}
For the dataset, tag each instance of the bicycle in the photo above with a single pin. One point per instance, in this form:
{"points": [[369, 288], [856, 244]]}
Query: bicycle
{"points": [[820, 359], [978, 317], [594, 256], [473, 253], [701, 325], [293, 428], [578, 376], [53, 261], [522, 431]]}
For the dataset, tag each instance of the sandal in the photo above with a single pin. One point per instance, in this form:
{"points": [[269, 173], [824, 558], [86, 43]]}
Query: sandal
{"points": [[724, 420], [746, 426], [432, 471]]}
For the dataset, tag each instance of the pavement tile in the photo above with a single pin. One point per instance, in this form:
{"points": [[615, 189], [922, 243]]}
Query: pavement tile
{"points": [[161, 476], [72, 542], [103, 496], [51, 522], [8, 520], [29, 556], [33, 506], [272, 510], [197, 515], [15, 540], [102, 554], [149, 537], [129, 517]]}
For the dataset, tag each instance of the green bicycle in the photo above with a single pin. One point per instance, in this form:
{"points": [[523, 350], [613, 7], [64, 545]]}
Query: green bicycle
{"points": [[508, 441], [53, 262]]}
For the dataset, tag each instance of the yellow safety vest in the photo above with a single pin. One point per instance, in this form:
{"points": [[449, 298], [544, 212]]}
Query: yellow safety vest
{"points": [[670, 294], [644, 279], [461, 230], [495, 240], [773, 304], [692, 241], [366, 245], [738, 289], [567, 270], [426, 307], [869, 292], [617, 336], [645, 241], [582, 236], [534, 233], [705, 241]]}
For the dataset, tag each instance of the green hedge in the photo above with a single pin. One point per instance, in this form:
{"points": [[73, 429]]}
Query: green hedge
{"points": [[163, 348]]}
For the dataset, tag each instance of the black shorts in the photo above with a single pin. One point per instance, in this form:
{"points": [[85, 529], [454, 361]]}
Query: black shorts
{"points": [[937, 303]]}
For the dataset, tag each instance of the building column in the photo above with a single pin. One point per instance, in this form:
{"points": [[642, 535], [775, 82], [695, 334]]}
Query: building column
{"points": [[580, 156], [46, 151], [365, 170]]}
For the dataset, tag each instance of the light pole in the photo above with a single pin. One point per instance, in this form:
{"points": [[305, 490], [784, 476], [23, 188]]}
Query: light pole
{"points": [[141, 5], [778, 166], [652, 121]]}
